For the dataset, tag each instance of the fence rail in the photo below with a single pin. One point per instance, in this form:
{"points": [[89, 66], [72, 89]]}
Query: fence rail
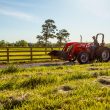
{"points": [[15, 54]]}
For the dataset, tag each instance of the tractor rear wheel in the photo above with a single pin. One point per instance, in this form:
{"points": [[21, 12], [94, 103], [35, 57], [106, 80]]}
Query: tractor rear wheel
{"points": [[103, 54], [83, 58]]}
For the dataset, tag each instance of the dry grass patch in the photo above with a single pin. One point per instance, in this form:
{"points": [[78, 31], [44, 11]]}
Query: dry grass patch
{"points": [[105, 80]]}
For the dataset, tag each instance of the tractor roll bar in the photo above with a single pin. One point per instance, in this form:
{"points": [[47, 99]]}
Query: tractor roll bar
{"points": [[102, 37]]}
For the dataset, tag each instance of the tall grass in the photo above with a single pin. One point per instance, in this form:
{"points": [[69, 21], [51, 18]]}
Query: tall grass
{"points": [[43, 88], [10, 69]]}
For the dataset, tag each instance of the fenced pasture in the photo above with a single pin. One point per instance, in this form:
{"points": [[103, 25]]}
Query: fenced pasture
{"points": [[25, 54]]}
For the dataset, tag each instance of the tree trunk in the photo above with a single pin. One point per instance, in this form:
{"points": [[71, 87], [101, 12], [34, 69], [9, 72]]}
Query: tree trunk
{"points": [[60, 44]]}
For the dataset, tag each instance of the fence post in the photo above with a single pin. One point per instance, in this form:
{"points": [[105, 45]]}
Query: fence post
{"points": [[31, 53], [51, 56], [45, 50], [7, 55]]}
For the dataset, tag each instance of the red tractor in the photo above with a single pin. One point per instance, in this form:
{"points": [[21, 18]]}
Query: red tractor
{"points": [[84, 52]]}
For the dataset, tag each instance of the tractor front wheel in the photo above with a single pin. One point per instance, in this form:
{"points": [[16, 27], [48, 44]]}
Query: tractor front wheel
{"points": [[83, 58]]}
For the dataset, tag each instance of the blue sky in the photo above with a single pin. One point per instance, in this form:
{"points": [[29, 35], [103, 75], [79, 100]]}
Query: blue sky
{"points": [[22, 19]]}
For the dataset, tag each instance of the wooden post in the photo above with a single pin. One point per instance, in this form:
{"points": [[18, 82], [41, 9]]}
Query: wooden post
{"points": [[31, 53], [7, 55], [45, 50]]}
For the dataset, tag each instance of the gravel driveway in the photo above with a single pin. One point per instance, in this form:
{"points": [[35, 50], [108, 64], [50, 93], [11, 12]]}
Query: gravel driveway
{"points": [[28, 65]]}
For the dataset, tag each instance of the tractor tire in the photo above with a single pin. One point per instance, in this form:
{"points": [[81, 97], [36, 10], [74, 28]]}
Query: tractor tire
{"points": [[83, 58], [103, 54]]}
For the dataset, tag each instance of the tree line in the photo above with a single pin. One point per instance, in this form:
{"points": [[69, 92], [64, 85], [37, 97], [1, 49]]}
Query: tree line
{"points": [[20, 43], [23, 43], [49, 32]]}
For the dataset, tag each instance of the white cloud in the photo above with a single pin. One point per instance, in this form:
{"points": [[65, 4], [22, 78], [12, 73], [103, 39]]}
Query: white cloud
{"points": [[19, 15]]}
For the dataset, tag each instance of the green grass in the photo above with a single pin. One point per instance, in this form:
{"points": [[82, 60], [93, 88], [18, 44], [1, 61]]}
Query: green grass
{"points": [[40, 88]]}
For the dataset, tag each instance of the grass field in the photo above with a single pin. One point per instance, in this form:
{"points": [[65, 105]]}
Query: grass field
{"points": [[67, 87]]}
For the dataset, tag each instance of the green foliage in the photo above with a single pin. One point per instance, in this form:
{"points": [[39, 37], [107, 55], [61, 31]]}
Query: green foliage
{"points": [[3, 43], [40, 40], [10, 69], [62, 36], [48, 30], [21, 43]]}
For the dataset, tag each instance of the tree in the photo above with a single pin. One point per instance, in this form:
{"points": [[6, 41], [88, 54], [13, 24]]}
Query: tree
{"points": [[62, 36], [48, 30], [21, 43], [10, 44], [40, 39], [3, 43]]}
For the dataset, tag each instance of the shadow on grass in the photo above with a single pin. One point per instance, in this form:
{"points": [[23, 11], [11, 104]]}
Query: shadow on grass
{"points": [[33, 82], [77, 76]]}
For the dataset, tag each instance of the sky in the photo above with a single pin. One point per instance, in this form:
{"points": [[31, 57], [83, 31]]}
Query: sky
{"points": [[22, 19]]}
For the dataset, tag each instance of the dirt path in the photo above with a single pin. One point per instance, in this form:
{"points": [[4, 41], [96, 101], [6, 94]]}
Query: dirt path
{"points": [[28, 65]]}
